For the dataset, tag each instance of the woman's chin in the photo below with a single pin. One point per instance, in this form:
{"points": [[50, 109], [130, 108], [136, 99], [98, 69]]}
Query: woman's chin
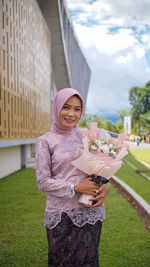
{"points": [[68, 124]]}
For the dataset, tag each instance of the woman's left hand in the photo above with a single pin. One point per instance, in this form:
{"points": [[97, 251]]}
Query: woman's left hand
{"points": [[101, 194]]}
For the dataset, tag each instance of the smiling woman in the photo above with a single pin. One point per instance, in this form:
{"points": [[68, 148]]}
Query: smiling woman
{"points": [[73, 231], [71, 112]]}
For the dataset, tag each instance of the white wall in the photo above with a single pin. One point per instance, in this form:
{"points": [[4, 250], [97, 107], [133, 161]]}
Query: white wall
{"points": [[10, 160]]}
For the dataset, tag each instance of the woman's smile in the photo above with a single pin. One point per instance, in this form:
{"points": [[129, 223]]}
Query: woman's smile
{"points": [[71, 112]]}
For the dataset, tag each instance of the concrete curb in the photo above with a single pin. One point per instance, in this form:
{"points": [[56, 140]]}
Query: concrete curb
{"points": [[138, 202], [138, 198]]}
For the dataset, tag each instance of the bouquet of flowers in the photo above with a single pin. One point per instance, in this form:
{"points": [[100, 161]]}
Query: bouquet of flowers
{"points": [[101, 157]]}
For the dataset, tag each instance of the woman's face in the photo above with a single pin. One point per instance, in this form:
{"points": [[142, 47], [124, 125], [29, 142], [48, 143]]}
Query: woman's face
{"points": [[71, 112]]}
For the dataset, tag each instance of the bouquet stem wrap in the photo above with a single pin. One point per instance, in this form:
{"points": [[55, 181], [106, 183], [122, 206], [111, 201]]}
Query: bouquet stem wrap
{"points": [[100, 162]]}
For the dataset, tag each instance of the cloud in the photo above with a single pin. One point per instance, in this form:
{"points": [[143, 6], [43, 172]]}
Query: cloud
{"points": [[103, 40], [115, 38], [111, 81], [137, 8]]}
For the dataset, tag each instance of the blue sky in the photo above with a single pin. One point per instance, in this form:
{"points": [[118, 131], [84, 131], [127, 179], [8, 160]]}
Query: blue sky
{"points": [[115, 37]]}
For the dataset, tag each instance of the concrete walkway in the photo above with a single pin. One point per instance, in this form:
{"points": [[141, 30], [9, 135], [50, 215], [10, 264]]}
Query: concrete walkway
{"points": [[142, 145]]}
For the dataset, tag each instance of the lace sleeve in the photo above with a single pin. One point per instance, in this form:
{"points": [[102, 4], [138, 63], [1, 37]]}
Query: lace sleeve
{"points": [[44, 177]]}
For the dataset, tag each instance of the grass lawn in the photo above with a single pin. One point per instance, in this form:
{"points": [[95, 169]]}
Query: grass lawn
{"points": [[22, 235], [125, 241], [142, 154], [134, 179]]}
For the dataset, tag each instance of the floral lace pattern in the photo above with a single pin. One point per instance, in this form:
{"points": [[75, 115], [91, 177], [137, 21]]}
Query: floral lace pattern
{"points": [[55, 176], [79, 216]]}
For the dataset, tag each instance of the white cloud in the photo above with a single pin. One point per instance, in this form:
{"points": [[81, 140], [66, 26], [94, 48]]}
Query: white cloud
{"points": [[104, 41], [97, 7], [111, 81], [140, 52], [138, 8], [124, 59], [115, 37]]}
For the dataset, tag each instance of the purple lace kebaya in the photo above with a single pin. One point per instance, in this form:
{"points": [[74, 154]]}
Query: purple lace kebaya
{"points": [[55, 174]]}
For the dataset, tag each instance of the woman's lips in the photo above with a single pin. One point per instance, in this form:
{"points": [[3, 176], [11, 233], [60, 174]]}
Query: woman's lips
{"points": [[69, 120]]}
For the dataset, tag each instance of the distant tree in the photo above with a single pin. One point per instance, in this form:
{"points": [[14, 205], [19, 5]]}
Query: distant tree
{"points": [[97, 119], [108, 125], [139, 98], [88, 118], [120, 126], [122, 113], [144, 123], [102, 123], [84, 121]]}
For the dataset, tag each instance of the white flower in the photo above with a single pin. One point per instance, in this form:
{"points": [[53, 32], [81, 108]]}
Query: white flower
{"points": [[93, 147], [110, 146], [97, 142], [113, 153], [105, 148]]}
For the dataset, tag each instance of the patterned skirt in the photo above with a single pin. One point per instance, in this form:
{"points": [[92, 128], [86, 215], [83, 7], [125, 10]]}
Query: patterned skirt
{"points": [[73, 246]]}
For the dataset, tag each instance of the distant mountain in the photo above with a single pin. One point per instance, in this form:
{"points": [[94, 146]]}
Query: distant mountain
{"points": [[112, 117]]}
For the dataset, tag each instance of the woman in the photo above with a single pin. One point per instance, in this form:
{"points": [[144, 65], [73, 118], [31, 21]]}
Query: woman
{"points": [[73, 231]]}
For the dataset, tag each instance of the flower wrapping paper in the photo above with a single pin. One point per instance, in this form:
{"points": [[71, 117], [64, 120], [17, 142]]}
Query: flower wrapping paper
{"points": [[102, 155]]}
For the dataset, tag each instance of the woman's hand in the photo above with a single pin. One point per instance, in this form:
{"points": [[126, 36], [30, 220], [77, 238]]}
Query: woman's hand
{"points": [[87, 187], [101, 194]]}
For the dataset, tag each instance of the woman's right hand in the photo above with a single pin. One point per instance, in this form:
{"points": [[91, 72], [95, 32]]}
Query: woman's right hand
{"points": [[87, 187]]}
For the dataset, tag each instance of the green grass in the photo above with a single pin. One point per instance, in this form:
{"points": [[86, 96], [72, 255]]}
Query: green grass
{"points": [[125, 241], [139, 183], [23, 239], [142, 154], [139, 165]]}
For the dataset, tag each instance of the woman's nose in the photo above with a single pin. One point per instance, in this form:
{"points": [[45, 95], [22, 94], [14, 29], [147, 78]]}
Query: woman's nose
{"points": [[71, 112]]}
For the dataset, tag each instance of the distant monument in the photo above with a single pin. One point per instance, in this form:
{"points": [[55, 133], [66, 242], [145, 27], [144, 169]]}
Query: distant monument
{"points": [[127, 125]]}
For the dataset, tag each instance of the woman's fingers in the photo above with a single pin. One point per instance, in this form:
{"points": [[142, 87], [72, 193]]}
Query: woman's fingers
{"points": [[101, 194], [97, 201], [87, 187], [91, 188]]}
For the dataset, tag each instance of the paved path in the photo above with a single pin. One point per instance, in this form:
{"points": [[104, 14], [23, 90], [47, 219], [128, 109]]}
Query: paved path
{"points": [[141, 145]]}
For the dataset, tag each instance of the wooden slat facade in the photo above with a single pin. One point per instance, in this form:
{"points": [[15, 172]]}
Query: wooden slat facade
{"points": [[25, 70]]}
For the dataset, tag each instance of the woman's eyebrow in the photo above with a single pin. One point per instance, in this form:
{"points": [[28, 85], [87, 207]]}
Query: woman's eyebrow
{"points": [[70, 106]]}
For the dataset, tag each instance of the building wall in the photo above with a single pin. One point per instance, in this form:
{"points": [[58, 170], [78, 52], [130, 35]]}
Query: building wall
{"points": [[70, 68], [51, 14], [25, 70], [10, 160], [37, 58], [78, 69]]}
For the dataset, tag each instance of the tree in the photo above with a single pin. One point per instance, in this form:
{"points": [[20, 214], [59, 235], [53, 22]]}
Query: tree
{"points": [[108, 125], [144, 122], [122, 113], [140, 100], [101, 122]]}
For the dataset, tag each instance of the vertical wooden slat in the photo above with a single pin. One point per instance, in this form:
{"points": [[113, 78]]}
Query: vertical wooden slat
{"points": [[24, 70]]}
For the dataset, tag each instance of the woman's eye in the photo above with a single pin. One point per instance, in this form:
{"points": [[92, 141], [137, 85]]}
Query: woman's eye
{"points": [[65, 107]]}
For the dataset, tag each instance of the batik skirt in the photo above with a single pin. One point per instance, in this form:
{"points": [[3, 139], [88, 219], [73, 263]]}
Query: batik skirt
{"points": [[73, 246]]}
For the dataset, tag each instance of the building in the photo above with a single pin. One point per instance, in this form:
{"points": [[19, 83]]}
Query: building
{"points": [[39, 54]]}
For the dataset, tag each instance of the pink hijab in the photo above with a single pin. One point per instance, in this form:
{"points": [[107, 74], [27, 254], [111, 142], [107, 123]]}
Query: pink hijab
{"points": [[60, 99]]}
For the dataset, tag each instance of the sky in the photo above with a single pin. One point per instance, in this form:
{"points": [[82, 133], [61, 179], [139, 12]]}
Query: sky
{"points": [[114, 36]]}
